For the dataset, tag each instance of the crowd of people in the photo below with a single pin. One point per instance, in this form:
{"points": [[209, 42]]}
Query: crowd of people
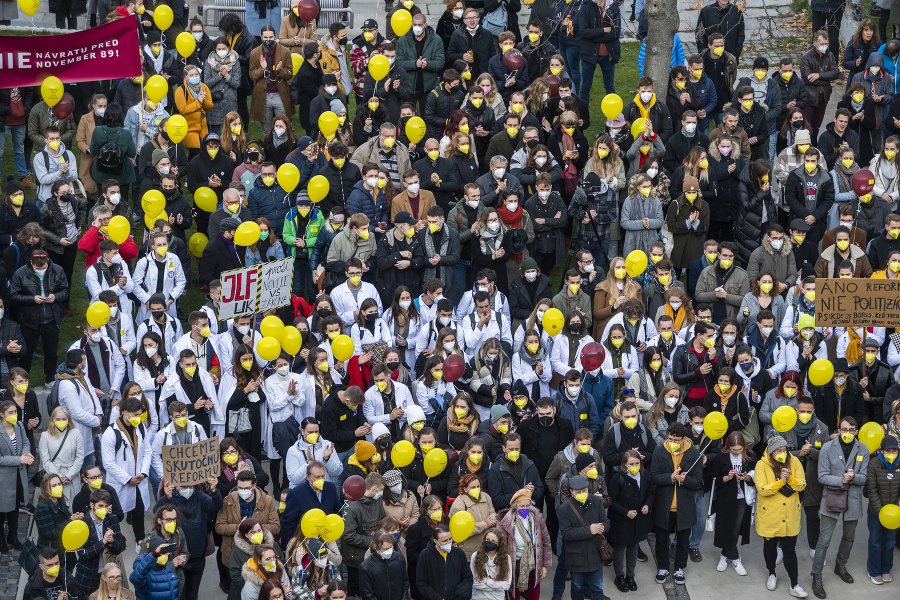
{"points": [[455, 245]]}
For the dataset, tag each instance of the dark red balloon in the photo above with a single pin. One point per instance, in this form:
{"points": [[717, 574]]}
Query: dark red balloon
{"points": [[863, 182], [513, 59], [592, 356], [308, 9], [64, 107], [452, 457], [454, 367], [553, 80], [354, 487]]}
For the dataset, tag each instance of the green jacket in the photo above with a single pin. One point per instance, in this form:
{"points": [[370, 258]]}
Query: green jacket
{"points": [[502, 145], [310, 231], [433, 53], [39, 121], [567, 304], [459, 220]]}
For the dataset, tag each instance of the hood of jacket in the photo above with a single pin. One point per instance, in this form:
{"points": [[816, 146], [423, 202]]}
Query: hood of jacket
{"points": [[251, 573], [246, 546], [686, 444], [875, 60], [786, 248]]}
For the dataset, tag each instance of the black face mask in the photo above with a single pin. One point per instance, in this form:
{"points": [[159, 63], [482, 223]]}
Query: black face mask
{"points": [[170, 193], [575, 327], [531, 144], [393, 366], [383, 442], [490, 546], [323, 313], [269, 44], [341, 42], [371, 317], [157, 314], [253, 156], [545, 421]]}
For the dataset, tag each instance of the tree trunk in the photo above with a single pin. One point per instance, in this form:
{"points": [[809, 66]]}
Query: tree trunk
{"points": [[662, 17]]}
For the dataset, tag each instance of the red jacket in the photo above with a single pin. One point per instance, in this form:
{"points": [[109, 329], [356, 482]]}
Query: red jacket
{"points": [[90, 244]]}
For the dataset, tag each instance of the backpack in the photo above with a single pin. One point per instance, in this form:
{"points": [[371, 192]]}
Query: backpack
{"points": [[617, 434], [53, 398], [120, 440], [109, 158], [496, 316]]}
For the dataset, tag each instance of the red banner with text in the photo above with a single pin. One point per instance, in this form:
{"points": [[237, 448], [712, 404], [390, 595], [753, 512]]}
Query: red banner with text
{"points": [[110, 51]]}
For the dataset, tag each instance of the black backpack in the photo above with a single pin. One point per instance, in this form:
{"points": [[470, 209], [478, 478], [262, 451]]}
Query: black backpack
{"points": [[109, 157]]}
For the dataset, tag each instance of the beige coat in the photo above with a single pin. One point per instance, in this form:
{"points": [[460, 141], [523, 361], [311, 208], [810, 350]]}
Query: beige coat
{"points": [[482, 510], [230, 517], [401, 202], [283, 78], [83, 141], [305, 31], [409, 509]]}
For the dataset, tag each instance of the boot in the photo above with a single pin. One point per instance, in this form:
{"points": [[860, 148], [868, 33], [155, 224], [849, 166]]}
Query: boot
{"points": [[621, 585], [13, 541], [28, 182], [841, 571], [818, 588]]}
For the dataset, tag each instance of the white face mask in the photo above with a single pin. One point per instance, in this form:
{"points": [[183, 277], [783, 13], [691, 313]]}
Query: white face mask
{"points": [[823, 48], [499, 172], [322, 562], [494, 226], [544, 97], [766, 331], [540, 161], [418, 30], [839, 381], [164, 170], [874, 70], [113, 311], [457, 14], [482, 288], [280, 131], [512, 206], [690, 128], [539, 315], [449, 347], [646, 96], [197, 35], [698, 429], [589, 268], [114, 198], [95, 337], [614, 131], [372, 182], [187, 493], [472, 203], [531, 276], [675, 306], [396, 489], [404, 304], [245, 494], [777, 245], [573, 390], [244, 329], [544, 195], [330, 89], [413, 189], [100, 111], [651, 173], [386, 554], [151, 352], [1, 313], [221, 53], [671, 402], [728, 340], [445, 321], [445, 548], [491, 358], [283, 371]]}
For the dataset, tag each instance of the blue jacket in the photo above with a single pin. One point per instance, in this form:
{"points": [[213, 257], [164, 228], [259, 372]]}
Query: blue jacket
{"points": [[302, 498], [706, 89], [501, 74], [600, 388], [677, 54], [361, 200], [890, 65], [271, 203], [323, 243], [195, 512], [582, 413], [151, 581]]}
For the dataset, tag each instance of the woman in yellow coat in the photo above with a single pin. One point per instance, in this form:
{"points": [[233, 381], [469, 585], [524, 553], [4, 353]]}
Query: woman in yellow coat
{"points": [[474, 500], [891, 271], [779, 480], [192, 99]]}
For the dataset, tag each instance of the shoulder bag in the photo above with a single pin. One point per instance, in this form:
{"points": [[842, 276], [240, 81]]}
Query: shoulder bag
{"points": [[605, 548]]}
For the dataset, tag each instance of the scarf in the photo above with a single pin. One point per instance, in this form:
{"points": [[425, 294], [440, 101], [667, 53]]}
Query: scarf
{"points": [[66, 374], [431, 271], [228, 244], [645, 112], [532, 360], [129, 433], [463, 424], [514, 221], [156, 60], [725, 397], [802, 431], [678, 318], [844, 175], [194, 89], [528, 562], [473, 468], [217, 63], [568, 145], [488, 241], [892, 428], [853, 353]]}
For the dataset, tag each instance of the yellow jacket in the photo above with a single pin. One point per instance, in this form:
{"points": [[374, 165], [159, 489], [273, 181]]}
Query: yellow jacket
{"points": [[194, 112], [331, 64], [778, 515]]}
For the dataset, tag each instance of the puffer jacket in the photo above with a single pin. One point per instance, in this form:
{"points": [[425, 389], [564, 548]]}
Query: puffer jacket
{"points": [[340, 184], [384, 579], [319, 252], [764, 259], [26, 285], [439, 104], [882, 485], [795, 198], [272, 203], [361, 518], [152, 581], [882, 85], [730, 186], [55, 223], [362, 200], [749, 225], [589, 27]]}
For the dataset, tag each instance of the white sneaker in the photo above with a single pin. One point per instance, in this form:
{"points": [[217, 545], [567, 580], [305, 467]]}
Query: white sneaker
{"points": [[723, 564], [779, 557], [738, 567], [812, 552], [798, 592], [137, 548], [771, 583]]}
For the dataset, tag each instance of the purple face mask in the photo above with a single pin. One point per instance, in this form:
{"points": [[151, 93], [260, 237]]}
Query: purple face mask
{"points": [[725, 151], [524, 512]]}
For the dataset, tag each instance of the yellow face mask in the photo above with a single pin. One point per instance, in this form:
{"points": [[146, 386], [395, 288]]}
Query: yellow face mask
{"points": [[673, 446], [373, 106], [464, 148], [645, 149], [230, 458], [533, 38], [810, 167], [645, 192], [96, 483], [635, 469], [257, 538], [760, 74], [889, 457], [532, 348], [890, 154], [389, 142], [61, 425], [467, 75], [847, 437], [582, 497], [19, 200], [847, 162], [680, 85], [666, 335], [101, 513], [339, 162], [342, 120], [212, 152], [503, 428], [319, 484], [617, 342], [434, 154], [747, 104], [189, 371], [303, 211], [602, 153], [368, 36], [584, 448], [895, 267], [162, 560], [697, 73], [236, 129], [281, 507], [805, 417], [475, 493], [464, 128], [765, 287], [517, 107], [703, 164], [56, 491], [569, 130], [381, 385], [663, 280], [476, 458], [592, 473], [690, 197], [432, 227], [181, 422], [719, 51], [894, 233], [780, 457], [460, 412], [724, 387], [574, 287], [135, 421], [477, 102], [312, 438], [655, 365], [323, 366], [842, 245], [803, 148], [620, 273], [436, 516], [555, 70], [418, 425], [512, 132], [799, 238], [858, 97], [513, 455], [53, 571], [865, 198], [412, 231], [631, 422], [438, 375]]}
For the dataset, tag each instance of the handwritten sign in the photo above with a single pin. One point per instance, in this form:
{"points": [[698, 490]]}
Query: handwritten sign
{"points": [[275, 280], [857, 302], [185, 465], [256, 289]]}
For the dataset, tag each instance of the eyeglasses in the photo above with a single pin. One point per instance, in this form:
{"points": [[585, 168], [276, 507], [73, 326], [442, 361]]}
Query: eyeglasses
{"points": [[628, 392], [170, 520], [852, 430], [114, 577]]}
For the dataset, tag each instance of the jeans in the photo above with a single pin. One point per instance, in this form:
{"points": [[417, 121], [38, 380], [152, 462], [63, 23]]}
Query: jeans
{"points": [[18, 147], [274, 107], [155, 478], [701, 501], [461, 273], [573, 62], [607, 67], [303, 283], [881, 546], [789, 548], [682, 543], [559, 577], [592, 582], [827, 527]]}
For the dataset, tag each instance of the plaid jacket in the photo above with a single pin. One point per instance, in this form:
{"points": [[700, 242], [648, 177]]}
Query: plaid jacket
{"points": [[585, 200], [87, 577], [51, 517], [359, 61]]}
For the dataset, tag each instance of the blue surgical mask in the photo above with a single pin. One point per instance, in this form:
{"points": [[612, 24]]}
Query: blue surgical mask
{"points": [[396, 537], [747, 367], [194, 80]]}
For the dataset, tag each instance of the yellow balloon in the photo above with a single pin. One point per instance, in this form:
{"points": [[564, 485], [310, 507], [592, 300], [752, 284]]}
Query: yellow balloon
{"points": [[871, 435], [435, 462], [638, 126], [52, 90], [342, 347], [784, 418], [415, 129], [74, 535], [153, 202], [318, 188], [272, 327], [313, 522], [296, 62], [379, 66], [157, 86], [119, 229], [29, 7], [291, 340], [247, 234], [98, 314], [328, 123], [462, 524], [401, 21], [268, 348], [150, 220], [715, 425], [553, 321], [206, 199], [197, 243], [821, 371], [176, 126], [288, 176], [635, 263], [611, 106], [163, 17], [402, 454], [184, 43], [333, 529], [889, 516]]}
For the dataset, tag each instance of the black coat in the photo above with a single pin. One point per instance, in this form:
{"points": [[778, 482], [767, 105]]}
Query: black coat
{"points": [[879, 250], [460, 470], [639, 437], [589, 26], [627, 495], [865, 128], [659, 116], [520, 303], [541, 444], [381, 579], [418, 538], [11, 224], [677, 149], [304, 88], [439, 104], [830, 143], [10, 330], [795, 197], [506, 479], [825, 400], [340, 184], [202, 166], [676, 108], [749, 226], [723, 206], [443, 579], [727, 501], [661, 469], [202, 50], [450, 186], [415, 476], [26, 285], [481, 45], [582, 553], [554, 144], [389, 276], [339, 422], [217, 259], [729, 22]]}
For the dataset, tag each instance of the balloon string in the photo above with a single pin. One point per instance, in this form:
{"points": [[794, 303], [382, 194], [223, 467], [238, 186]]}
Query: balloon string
{"points": [[702, 450]]}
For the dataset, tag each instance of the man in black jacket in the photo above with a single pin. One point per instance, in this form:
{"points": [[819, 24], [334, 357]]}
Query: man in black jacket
{"points": [[92, 477], [437, 252], [836, 137], [627, 434], [443, 100], [806, 253], [398, 262], [537, 50], [306, 83], [723, 17], [809, 194], [343, 423], [599, 25], [438, 175], [680, 94], [221, 254], [720, 66], [752, 119], [211, 168], [511, 472], [177, 154], [885, 243], [683, 140], [582, 520], [341, 174], [657, 111], [471, 43], [442, 572], [840, 397]]}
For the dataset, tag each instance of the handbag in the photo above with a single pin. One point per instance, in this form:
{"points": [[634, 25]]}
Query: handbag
{"points": [[710, 515], [38, 477], [751, 428], [836, 500], [605, 548], [239, 420], [29, 556]]}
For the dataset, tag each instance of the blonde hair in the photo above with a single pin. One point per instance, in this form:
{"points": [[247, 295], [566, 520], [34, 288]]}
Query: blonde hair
{"points": [[491, 96], [102, 591], [59, 411]]}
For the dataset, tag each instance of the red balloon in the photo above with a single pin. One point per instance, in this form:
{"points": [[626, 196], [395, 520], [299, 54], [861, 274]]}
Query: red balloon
{"points": [[308, 9], [592, 356], [513, 59], [862, 182], [452, 457], [64, 107], [553, 80], [354, 487], [454, 367]]}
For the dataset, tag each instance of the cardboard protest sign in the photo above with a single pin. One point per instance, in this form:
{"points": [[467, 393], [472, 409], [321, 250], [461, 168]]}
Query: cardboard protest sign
{"points": [[857, 303], [185, 465], [256, 289]]}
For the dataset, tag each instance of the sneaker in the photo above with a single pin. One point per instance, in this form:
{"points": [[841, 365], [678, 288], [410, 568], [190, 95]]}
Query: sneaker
{"points": [[695, 555], [886, 577], [137, 548], [661, 576], [779, 557], [641, 555], [723, 564], [798, 592], [28, 182], [27, 508], [771, 583], [679, 577], [738, 567], [877, 580]]}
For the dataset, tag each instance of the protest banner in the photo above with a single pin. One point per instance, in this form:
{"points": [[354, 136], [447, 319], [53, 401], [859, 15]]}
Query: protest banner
{"points": [[857, 303], [256, 289], [185, 465], [110, 51]]}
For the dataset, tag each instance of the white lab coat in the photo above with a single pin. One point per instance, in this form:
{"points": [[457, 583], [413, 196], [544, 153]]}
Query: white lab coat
{"points": [[96, 283], [412, 335], [297, 460], [467, 305], [426, 313], [877, 333], [474, 337], [116, 362], [646, 330], [121, 466], [151, 426], [559, 355], [525, 372], [280, 406], [630, 363], [678, 342], [145, 282], [83, 407], [373, 405], [173, 333], [216, 416], [428, 335], [163, 437], [361, 335], [347, 306], [125, 328], [226, 348], [442, 392], [184, 343], [792, 354], [152, 390], [546, 339]]}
